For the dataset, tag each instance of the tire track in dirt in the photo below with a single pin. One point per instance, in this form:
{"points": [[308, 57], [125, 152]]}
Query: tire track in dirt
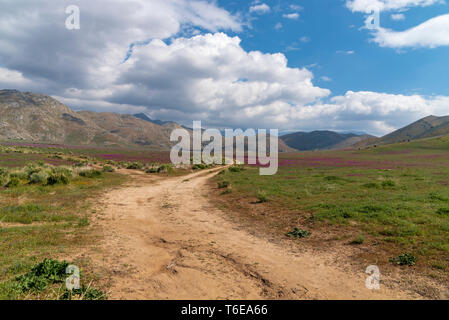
{"points": [[163, 239]]}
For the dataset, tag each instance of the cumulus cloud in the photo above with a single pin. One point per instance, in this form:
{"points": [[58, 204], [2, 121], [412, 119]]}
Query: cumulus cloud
{"points": [[373, 112], [207, 77], [214, 76], [35, 42], [430, 34], [387, 5], [260, 8], [291, 16]]}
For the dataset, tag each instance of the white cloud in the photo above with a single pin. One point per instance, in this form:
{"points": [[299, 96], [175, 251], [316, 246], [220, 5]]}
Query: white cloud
{"points": [[214, 76], [346, 52], [372, 112], [12, 79], [430, 34], [296, 7], [291, 16], [397, 17], [260, 8], [35, 42], [304, 39], [278, 26], [325, 78], [387, 5], [207, 77]]}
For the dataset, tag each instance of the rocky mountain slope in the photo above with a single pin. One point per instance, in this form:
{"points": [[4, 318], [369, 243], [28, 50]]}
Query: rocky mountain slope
{"points": [[427, 127], [31, 117], [39, 118]]}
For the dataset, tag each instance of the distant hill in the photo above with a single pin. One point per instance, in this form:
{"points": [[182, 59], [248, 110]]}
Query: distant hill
{"points": [[34, 117], [167, 124], [322, 140], [39, 118], [427, 127], [143, 116]]}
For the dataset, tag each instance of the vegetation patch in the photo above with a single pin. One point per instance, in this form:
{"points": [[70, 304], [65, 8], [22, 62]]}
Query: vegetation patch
{"points": [[41, 275], [406, 259], [108, 168], [92, 173], [298, 233], [223, 184], [51, 272], [262, 196]]}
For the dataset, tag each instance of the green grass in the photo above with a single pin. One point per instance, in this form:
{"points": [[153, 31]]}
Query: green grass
{"points": [[405, 206], [39, 221]]}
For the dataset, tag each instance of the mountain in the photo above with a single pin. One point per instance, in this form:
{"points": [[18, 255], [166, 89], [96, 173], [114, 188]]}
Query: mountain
{"points": [[322, 140], [40, 118], [427, 127], [143, 116], [34, 117]]}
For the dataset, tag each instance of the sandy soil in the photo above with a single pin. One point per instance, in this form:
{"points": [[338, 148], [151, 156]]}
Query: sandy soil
{"points": [[163, 239]]}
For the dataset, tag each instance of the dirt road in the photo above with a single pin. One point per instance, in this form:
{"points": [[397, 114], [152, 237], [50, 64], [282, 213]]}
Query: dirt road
{"points": [[163, 239]]}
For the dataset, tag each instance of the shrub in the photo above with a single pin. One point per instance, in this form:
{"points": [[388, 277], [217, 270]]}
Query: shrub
{"points": [[199, 166], [32, 168], [359, 240], [227, 190], [92, 173], [443, 211], [262, 196], [437, 197], [19, 175], [86, 293], [4, 176], [134, 166], [298, 233], [405, 259], [223, 184], [47, 272], [39, 178], [151, 170], [236, 169], [107, 168], [388, 184], [13, 182], [57, 178], [371, 185], [165, 168]]}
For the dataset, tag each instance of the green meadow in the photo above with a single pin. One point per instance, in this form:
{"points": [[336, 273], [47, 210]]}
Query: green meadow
{"points": [[393, 198]]}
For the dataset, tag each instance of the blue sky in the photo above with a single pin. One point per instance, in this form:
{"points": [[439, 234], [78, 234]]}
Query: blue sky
{"points": [[331, 29], [292, 65]]}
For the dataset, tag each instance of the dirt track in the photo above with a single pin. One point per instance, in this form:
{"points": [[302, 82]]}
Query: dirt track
{"points": [[163, 239]]}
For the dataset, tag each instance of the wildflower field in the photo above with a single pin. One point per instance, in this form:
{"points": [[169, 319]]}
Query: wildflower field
{"points": [[390, 200]]}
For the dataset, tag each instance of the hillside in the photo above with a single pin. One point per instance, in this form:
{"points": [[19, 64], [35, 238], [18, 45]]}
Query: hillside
{"points": [[40, 118], [427, 127], [322, 140]]}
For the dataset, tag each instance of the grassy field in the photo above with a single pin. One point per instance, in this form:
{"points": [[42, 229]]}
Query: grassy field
{"points": [[46, 194], [19, 154], [393, 198], [45, 214]]}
